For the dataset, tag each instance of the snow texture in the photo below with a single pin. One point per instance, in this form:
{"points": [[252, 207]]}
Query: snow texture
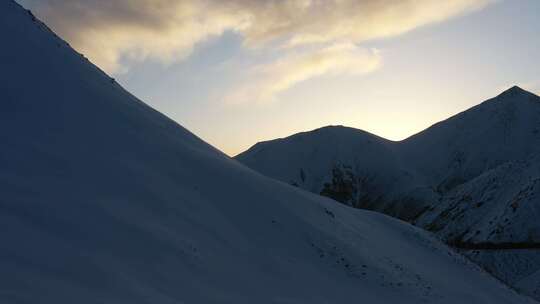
{"points": [[473, 179], [104, 200]]}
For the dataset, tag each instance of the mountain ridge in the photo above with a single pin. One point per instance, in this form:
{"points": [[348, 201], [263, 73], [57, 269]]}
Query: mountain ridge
{"points": [[469, 178], [512, 91], [106, 200]]}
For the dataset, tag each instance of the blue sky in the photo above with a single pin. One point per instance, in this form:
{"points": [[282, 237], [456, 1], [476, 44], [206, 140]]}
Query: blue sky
{"points": [[248, 71]]}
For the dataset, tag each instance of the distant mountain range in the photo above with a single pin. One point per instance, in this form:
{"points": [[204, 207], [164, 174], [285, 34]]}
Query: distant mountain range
{"points": [[473, 179], [105, 200]]}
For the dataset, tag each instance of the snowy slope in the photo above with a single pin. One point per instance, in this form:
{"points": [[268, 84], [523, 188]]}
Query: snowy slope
{"points": [[473, 179], [493, 153], [499, 206], [325, 147], [310, 160], [413, 173], [504, 128], [349, 165], [104, 200], [497, 210]]}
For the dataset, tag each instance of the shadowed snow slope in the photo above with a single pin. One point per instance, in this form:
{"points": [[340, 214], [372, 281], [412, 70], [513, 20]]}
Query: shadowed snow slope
{"points": [[504, 128], [473, 179], [404, 178], [104, 200]]}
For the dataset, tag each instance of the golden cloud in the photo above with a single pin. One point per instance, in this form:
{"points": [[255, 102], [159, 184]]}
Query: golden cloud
{"points": [[268, 80], [106, 31]]}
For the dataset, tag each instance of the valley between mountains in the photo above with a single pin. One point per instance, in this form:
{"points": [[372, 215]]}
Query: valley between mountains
{"points": [[105, 200], [473, 179]]}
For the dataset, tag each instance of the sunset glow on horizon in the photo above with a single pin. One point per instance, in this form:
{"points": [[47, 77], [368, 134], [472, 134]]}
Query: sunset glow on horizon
{"points": [[239, 72]]}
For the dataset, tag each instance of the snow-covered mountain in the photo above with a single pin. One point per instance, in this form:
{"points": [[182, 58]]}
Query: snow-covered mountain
{"points": [[494, 220], [366, 171], [104, 200], [504, 128], [349, 165], [473, 179]]}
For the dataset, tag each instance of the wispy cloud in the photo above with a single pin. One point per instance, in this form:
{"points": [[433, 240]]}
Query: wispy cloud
{"points": [[311, 21], [311, 37], [107, 31], [267, 80], [168, 29]]}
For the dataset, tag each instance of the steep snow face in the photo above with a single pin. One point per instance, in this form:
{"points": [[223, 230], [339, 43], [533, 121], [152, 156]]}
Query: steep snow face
{"points": [[505, 128], [105, 200], [486, 164], [417, 173], [494, 218], [351, 166], [500, 206], [473, 179], [366, 171], [306, 159]]}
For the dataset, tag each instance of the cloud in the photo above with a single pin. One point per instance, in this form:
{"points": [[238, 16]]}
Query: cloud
{"points": [[319, 21], [108, 31], [167, 30], [264, 82]]}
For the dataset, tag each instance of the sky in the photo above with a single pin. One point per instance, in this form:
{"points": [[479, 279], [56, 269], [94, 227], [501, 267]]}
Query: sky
{"points": [[237, 72]]}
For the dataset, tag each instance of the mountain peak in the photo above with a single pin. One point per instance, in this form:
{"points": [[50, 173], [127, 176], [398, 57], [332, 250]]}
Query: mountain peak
{"points": [[515, 91], [516, 88]]}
